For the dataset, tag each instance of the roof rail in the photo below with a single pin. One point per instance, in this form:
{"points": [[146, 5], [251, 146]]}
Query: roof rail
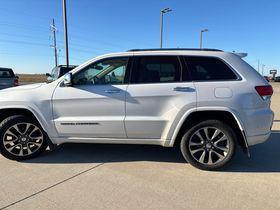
{"points": [[175, 49]]}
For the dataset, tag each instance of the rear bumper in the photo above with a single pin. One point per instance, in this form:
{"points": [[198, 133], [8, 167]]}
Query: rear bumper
{"points": [[253, 140], [258, 126]]}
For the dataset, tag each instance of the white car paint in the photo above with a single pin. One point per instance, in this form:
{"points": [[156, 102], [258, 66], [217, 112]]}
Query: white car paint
{"points": [[151, 108], [90, 104], [143, 113]]}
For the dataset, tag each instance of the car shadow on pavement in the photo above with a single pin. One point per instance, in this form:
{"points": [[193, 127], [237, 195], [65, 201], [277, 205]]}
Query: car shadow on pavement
{"points": [[73, 153], [265, 158]]}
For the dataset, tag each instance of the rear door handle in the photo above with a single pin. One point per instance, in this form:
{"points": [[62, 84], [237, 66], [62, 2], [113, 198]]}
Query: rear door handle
{"points": [[184, 89], [113, 91]]}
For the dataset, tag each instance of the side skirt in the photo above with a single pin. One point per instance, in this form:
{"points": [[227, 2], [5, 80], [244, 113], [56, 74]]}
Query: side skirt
{"points": [[160, 142]]}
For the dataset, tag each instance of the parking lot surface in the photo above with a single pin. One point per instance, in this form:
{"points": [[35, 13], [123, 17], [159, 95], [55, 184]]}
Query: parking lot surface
{"points": [[79, 176]]}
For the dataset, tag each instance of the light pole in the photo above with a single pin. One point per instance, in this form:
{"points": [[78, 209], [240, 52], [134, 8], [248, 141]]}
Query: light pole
{"points": [[65, 31], [201, 33], [163, 11]]}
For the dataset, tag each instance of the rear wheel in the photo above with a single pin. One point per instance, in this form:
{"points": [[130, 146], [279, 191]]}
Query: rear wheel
{"points": [[209, 145], [21, 138]]}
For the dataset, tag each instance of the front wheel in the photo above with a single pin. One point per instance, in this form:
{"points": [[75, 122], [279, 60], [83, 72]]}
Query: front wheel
{"points": [[21, 138], [209, 145]]}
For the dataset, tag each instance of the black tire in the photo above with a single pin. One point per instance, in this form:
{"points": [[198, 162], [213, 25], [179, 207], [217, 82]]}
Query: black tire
{"points": [[28, 142], [191, 145]]}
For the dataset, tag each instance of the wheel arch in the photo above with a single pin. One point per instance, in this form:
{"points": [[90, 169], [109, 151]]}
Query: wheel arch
{"points": [[219, 113], [6, 112]]}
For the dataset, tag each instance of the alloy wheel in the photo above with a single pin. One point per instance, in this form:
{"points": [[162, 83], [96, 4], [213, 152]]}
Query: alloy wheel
{"points": [[23, 139], [209, 145]]}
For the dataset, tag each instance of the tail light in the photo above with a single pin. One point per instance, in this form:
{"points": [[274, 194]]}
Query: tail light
{"points": [[264, 91], [16, 83]]}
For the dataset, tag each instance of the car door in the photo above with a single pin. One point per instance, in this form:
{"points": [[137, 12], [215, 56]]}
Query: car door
{"points": [[94, 106], [156, 96]]}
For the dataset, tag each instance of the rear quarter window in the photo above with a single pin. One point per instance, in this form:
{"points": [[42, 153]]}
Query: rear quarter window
{"points": [[208, 69]]}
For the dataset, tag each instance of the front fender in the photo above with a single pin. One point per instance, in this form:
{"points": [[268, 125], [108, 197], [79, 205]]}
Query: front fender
{"points": [[42, 119]]}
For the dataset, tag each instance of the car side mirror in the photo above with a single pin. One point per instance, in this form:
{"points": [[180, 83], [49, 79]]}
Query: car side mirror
{"points": [[67, 80], [48, 75], [17, 77]]}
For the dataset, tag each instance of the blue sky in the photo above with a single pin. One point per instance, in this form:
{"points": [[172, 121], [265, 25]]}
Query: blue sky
{"points": [[97, 27]]}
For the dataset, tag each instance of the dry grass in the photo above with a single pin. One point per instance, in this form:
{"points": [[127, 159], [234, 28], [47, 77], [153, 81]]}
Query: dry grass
{"points": [[31, 78]]}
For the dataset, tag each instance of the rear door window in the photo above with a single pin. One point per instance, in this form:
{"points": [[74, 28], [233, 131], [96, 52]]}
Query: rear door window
{"points": [[208, 69], [156, 69]]}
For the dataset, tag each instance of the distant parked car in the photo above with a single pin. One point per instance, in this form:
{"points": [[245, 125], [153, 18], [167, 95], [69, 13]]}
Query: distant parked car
{"points": [[267, 78], [7, 78], [59, 71], [277, 79]]}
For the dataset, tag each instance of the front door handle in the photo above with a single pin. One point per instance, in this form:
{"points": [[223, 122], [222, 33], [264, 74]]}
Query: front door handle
{"points": [[184, 89], [113, 91]]}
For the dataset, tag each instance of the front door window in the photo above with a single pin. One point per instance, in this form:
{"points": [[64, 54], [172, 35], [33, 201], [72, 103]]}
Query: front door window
{"points": [[109, 71]]}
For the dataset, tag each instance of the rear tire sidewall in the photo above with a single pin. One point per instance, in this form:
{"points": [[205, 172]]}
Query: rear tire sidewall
{"points": [[209, 123], [15, 120]]}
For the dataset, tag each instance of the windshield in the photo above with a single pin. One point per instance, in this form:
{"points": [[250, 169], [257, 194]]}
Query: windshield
{"points": [[54, 74]]}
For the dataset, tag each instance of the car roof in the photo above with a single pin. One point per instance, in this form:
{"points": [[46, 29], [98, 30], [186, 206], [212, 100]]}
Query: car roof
{"points": [[6, 69], [174, 49]]}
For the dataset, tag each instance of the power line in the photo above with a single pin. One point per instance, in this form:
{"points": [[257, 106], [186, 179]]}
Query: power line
{"points": [[42, 45], [24, 55], [23, 42], [36, 43], [23, 13], [21, 35], [38, 28], [75, 36]]}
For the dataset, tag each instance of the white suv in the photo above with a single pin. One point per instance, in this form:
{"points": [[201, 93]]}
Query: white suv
{"points": [[207, 101]]}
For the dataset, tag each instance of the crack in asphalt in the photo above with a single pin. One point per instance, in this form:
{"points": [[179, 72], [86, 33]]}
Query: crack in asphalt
{"points": [[52, 186], [63, 181]]}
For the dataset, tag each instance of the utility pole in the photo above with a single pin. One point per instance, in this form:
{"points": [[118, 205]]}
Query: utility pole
{"points": [[263, 69], [53, 29], [65, 32], [201, 34], [259, 65], [163, 11]]}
